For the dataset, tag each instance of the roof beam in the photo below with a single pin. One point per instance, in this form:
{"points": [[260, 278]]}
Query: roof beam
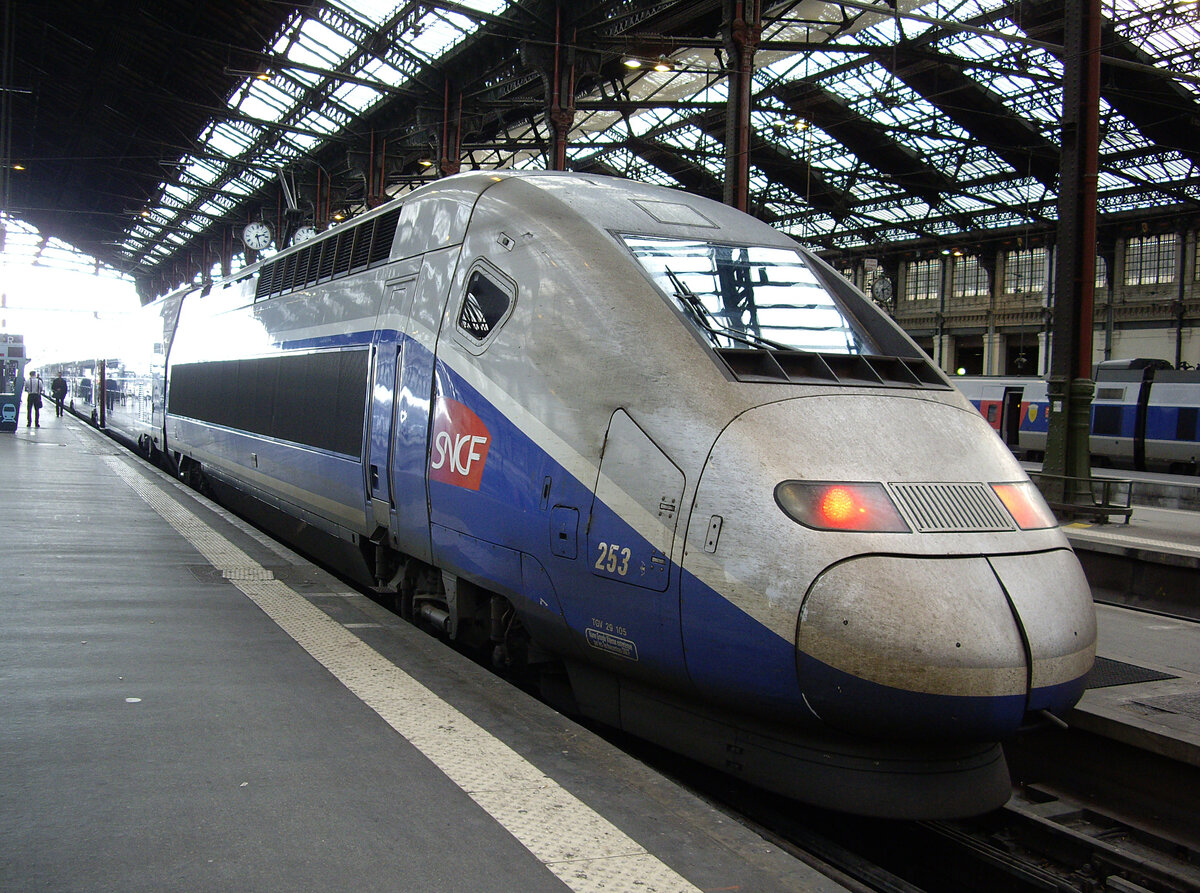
{"points": [[1156, 103], [691, 176], [865, 138], [974, 108]]}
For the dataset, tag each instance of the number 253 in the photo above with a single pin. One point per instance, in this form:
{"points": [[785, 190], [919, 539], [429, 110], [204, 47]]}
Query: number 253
{"points": [[613, 559]]}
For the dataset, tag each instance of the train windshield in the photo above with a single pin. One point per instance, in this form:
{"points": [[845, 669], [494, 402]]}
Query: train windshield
{"points": [[750, 296]]}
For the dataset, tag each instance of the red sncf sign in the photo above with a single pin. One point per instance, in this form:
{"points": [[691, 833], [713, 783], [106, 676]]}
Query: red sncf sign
{"points": [[459, 448]]}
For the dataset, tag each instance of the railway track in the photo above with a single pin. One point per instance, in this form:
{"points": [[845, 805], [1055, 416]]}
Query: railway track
{"points": [[1085, 817]]}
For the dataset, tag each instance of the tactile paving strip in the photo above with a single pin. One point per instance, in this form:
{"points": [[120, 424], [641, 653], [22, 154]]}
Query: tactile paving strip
{"points": [[582, 848]]}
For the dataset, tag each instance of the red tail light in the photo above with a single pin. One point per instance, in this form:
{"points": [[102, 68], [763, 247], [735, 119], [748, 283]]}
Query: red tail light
{"points": [[1026, 505], [827, 505]]}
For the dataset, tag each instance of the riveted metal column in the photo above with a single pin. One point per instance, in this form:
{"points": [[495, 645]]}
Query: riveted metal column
{"points": [[451, 149], [743, 28], [562, 96], [1071, 386], [226, 253]]}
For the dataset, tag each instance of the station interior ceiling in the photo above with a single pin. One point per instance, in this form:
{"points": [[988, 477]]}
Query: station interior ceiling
{"points": [[148, 135]]}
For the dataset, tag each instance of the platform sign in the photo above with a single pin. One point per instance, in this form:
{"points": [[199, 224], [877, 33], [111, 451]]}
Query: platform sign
{"points": [[12, 374]]}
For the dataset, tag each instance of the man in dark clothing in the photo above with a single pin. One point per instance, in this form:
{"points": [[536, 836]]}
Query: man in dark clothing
{"points": [[58, 390]]}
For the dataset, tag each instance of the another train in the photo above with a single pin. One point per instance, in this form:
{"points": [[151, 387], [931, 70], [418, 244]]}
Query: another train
{"points": [[642, 444], [1145, 414]]}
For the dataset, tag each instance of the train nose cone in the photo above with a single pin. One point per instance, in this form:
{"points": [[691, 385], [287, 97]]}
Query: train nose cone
{"points": [[945, 647]]}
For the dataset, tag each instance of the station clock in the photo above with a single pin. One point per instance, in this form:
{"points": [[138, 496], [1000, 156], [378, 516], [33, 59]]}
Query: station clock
{"points": [[256, 235]]}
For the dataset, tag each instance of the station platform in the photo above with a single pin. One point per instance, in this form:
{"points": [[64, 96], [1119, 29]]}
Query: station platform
{"points": [[1151, 562], [1150, 530], [1145, 687], [188, 705]]}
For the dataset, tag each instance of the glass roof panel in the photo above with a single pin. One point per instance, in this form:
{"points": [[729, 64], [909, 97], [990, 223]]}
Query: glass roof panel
{"points": [[200, 171], [229, 140], [374, 11], [179, 194], [381, 70], [356, 97], [320, 45], [265, 102], [438, 31], [1023, 77], [309, 40]]}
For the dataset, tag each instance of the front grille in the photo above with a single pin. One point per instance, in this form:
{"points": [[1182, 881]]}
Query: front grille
{"points": [[951, 508]]}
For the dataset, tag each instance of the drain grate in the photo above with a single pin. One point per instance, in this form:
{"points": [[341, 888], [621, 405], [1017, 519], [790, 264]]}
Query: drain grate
{"points": [[1106, 673]]}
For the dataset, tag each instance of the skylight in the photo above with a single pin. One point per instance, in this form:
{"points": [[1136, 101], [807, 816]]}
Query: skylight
{"points": [[327, 60], [327, 71]]}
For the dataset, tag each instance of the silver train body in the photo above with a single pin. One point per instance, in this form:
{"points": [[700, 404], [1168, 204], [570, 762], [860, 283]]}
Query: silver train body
{"points": [[620, 430]]}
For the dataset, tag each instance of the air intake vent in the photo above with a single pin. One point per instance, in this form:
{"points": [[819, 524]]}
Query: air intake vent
{"points": [[951, 508], [360, 247], [802, 367]]}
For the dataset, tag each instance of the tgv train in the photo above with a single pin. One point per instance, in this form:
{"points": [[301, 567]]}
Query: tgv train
{"points": [[641, 442], [1145, 413]]}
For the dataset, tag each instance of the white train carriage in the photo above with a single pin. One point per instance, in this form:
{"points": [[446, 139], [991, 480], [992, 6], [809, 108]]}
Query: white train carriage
{"points": [[639, 435]]}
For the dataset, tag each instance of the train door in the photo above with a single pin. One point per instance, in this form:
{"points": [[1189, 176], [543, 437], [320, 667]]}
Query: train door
{"points": [[635, 507], [423, 306], [633, 609], [387, 351], [1010, 416]]}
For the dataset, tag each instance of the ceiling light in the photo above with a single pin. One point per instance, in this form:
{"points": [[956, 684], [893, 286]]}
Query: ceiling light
{"points": [[425, 162], [664, 64], [631, 62]]}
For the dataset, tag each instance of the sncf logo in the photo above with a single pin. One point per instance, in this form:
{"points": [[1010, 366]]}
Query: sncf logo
{"points": [[460, 445]]}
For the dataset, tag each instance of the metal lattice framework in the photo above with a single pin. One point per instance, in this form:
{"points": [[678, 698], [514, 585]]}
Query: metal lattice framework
{"points": [[872, 124]]}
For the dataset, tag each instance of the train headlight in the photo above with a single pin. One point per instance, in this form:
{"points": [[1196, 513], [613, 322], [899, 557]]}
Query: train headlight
{"points": [[827, 505], [1026, 505]]}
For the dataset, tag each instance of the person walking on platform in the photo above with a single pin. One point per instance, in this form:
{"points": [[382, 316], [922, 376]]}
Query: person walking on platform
{"points": [[58, 390], [33, 401]]}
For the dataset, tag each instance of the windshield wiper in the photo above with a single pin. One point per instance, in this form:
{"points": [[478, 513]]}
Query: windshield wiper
{"points": [[691, 301]]}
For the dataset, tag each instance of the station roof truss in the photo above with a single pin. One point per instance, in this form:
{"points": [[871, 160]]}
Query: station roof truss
{"points": [[148, 134]]}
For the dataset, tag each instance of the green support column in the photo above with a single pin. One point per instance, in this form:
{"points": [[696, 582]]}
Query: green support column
{"points": [[1068, 450], [1068, 459]]}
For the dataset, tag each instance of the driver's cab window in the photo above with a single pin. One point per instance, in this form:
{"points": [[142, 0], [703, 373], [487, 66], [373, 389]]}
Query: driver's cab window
{"points": [[487, 303]]}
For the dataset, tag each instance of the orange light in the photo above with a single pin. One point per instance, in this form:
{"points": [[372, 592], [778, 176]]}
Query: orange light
{"points": [[829, 505], [1026, 505], [838, 507]]}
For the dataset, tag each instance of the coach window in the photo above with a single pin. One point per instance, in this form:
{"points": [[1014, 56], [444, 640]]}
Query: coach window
{"points": [[486, 305]]}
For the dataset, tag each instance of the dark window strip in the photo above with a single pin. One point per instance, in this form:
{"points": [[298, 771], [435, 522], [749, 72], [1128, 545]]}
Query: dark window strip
{"points": [[316, 399]]}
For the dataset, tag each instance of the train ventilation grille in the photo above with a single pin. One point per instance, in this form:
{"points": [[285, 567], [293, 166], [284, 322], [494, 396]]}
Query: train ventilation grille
{"points": [[951, 508], [803, 367]]}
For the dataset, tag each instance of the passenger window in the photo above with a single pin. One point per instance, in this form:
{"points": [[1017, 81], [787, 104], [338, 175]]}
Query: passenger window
{"points": [[484, 307]]}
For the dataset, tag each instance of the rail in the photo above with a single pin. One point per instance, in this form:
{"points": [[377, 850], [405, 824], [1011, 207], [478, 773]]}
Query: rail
{"points": [[1099, 498]]}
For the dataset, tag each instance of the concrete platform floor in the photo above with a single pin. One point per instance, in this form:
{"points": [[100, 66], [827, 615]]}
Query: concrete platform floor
{"points": [[186, 705]]}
